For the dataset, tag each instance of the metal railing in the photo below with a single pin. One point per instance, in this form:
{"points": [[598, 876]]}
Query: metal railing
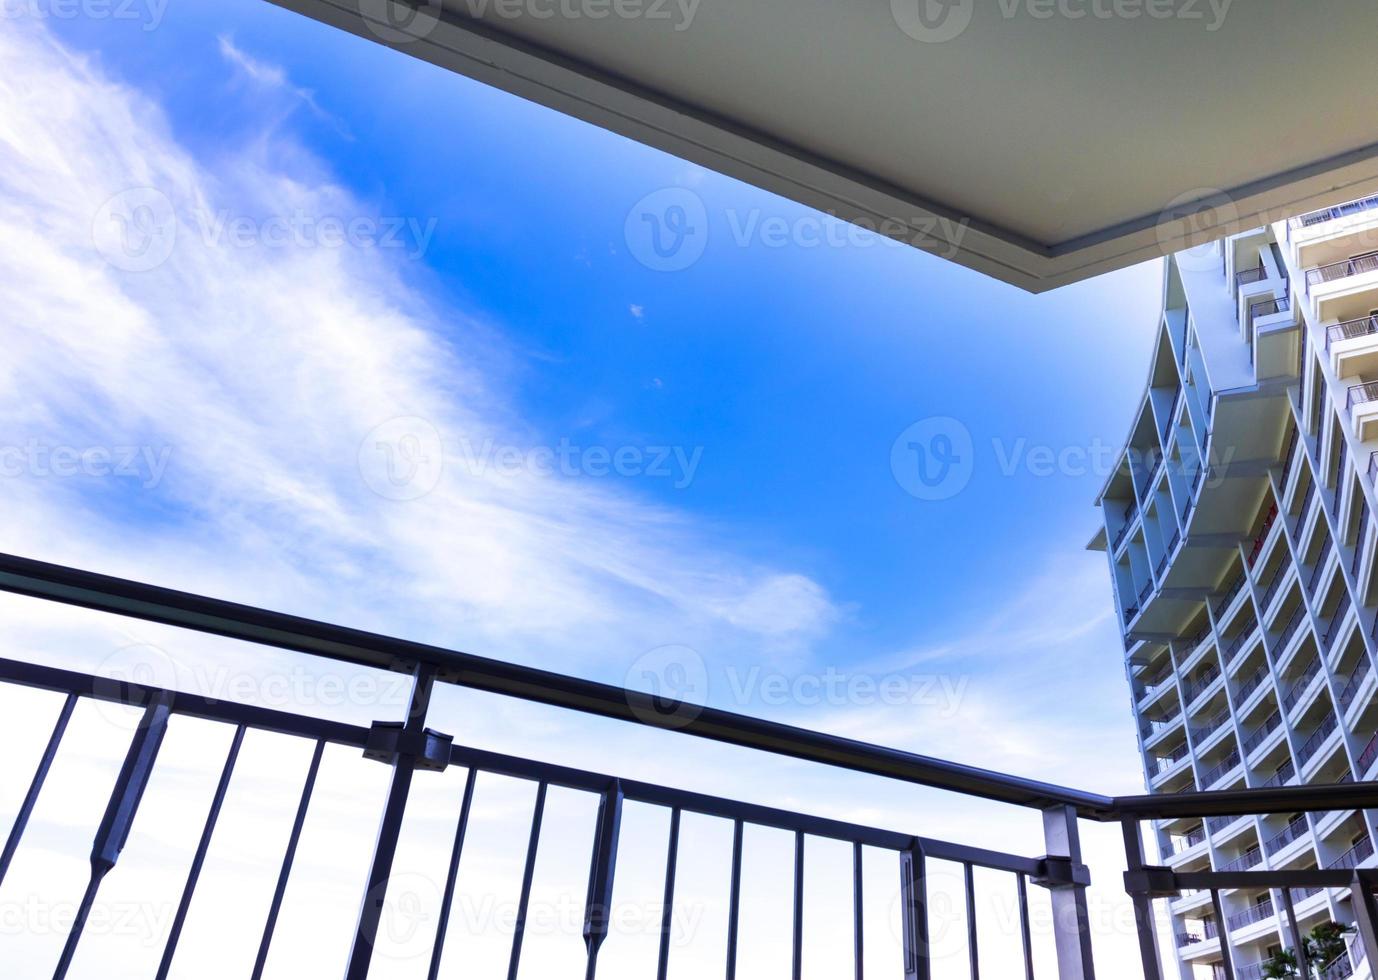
{"points": [[410, 749], [1351, 329], [1254, 913], [1312, 218], [1192, 689], [1316, 739], [1356, 266], [1332, 629], [1220, 769], [1231, 592], [1247, 276], [1269, 307], [1261, 733], [1259, 541]]}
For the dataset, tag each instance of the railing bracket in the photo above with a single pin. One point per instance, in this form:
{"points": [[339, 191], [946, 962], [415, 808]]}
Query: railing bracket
{"points": [[1061, 872], [1152, 882], [428, 749]]}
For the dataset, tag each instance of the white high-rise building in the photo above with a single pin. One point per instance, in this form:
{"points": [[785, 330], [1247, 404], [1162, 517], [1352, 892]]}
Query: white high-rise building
{"points": [[1241, 548]]}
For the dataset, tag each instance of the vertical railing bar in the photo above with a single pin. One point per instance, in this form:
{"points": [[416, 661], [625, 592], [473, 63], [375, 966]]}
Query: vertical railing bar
{"points": [[798, 969], [390, 825], [858, 910], [113, 832], [1071, 917], [914, 899], [1294, 927], [734, 897], [1025, 937], [602, 875], [1225, 955], [1365, 914], [284, 872], [528, 874], [199, 859], [447, 901], [973, 947], [45, 763], [1143, 905], [668, 910]]}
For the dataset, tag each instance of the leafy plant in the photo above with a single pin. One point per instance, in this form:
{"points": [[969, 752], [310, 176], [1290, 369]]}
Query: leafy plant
{"points": [[1324, 944]]}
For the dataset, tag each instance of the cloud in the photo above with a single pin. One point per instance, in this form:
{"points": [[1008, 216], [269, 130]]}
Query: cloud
{"points": [[272, 378], [637, 311], [271, 76]]}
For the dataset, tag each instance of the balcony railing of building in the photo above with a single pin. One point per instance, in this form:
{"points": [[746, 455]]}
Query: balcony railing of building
{"points": [[1273, 585], [1320, 217], [1360, 394], [1332, 629], [1298, 687], [1192, 689], [1341, 458], [1268, 307], [1261, 733], [1167, 762], [1217, 771], [1316, 739], [1130, 612], [1212, 725], [1351, 689], [1356, 266], [1155, 725], [410, 749], [1217, 824], [1368, 756], [1294, 830], [1129, 517], [1290, 629], [1231, 591], [1350, 329], [1280, 778], [1145, 592], [1246, 276], [1355, 856], [1251, 685], [1315, 576], [1360, 536], [1193, 837], [1254, 913], [1251, 858], [1268, 520]]}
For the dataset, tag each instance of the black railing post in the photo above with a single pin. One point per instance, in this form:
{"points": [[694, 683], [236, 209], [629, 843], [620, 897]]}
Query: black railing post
{"points": [[603, 870], [113, 832], [1071, 919], [45, 762], [1142, 900], [1223, 933], [408, 747], [1365, 913], [914, 911], [1294, 929]]}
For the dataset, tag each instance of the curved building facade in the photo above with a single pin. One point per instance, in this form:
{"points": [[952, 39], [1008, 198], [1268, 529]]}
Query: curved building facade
{"points": [[1239, 534]]}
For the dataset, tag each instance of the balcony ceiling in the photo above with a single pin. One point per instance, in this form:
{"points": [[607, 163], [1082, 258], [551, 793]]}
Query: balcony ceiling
{"points": [[1055, 147]]}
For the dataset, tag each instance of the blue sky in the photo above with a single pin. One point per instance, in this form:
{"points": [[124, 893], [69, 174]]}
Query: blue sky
{"points": [[254, 380]]}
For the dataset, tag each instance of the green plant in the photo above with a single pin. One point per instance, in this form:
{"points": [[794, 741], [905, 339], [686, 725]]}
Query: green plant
{"points": [[1324, 944], [1281, 965]]}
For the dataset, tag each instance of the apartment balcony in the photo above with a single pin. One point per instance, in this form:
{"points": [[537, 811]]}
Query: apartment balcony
{"points": [[1343, 290], [1357, 692], [1318, 745], [1353, 347], [1296, 830], [1301, 691], [1192, 690], [1217, 773], [1356, 857], [1361, 401], [1331, 233], [1263, 737]]}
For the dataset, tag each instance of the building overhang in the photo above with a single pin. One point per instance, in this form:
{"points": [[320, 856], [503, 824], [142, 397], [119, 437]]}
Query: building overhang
{"points": [[1039, 142]]}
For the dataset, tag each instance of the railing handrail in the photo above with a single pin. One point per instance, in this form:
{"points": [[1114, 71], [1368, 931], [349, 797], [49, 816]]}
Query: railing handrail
{"points": [[1323, 215], [90, 590], [1349, 329], [1342, 269]]}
